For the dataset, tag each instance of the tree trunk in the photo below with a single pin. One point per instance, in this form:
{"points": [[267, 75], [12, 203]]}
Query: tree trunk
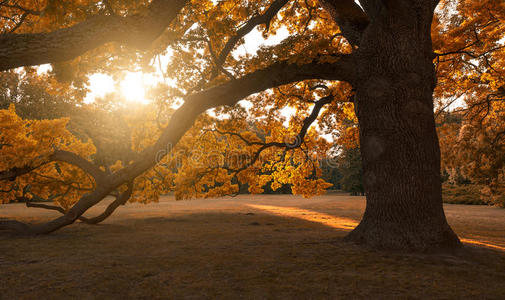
{"points": [[399, 143]]}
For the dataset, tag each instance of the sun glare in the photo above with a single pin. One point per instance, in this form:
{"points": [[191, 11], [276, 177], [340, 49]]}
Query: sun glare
{"points": [[133, 87], [99, 86]]}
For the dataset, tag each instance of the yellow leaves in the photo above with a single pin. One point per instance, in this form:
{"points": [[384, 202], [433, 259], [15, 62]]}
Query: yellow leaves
{"points": [[349, 112], [214, 160], [116, 166], [470, 39], [493, 80], [28, 143], [17, 147], [275, 185], [311, 188]]}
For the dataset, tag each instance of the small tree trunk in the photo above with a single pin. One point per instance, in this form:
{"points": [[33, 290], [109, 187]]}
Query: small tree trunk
{"points": [[399, 143]]}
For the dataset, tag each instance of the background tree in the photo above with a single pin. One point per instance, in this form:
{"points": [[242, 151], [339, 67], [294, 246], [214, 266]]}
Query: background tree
{"points": [[473, 152], [470, 65], [37, 96]]}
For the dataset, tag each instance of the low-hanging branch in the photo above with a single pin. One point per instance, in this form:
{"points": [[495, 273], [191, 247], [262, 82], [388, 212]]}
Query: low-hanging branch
{"points": [[140, 30], [58, 155], [120, 199]]}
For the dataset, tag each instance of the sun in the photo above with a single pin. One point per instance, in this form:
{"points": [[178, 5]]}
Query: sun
{"points": [[133, 87]]}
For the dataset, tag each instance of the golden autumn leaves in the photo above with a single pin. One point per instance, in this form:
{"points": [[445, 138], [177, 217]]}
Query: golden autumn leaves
{"points": [[203, 164], [29, 144], [470, 63]]}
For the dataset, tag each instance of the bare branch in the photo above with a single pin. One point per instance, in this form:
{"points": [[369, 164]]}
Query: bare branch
{"points": [[16, 226], [121, 199], [45, 206]]}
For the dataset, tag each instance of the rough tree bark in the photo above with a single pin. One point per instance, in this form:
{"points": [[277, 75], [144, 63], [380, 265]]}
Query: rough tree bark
{"points": [[399, 144]]}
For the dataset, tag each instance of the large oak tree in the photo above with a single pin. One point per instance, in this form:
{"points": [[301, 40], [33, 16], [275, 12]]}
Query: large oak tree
{"points": [[383, 49]]}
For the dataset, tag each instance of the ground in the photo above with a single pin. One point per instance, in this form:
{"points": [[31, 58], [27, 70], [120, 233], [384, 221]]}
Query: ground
{"points": [[252, 247]]}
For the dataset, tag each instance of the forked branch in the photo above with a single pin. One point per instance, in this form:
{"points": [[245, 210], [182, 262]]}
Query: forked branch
{"points": [[264, 18], [119, 200], [298, 139]]}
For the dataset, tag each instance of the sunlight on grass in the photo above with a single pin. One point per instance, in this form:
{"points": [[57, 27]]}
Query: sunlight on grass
{"points": [[309, 215], [479, 243], [338, 222]]}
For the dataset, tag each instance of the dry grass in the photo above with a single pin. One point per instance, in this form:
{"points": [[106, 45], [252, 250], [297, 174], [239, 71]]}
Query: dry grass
{"points": [[246, 247]]}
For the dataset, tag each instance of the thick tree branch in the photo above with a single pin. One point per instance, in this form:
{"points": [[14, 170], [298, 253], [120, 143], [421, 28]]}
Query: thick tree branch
{"points": [[229, 94], [351, 19], [16, 226], [30, 49], [398, 8], [265, 18], [121, 199], [11, 174], [58, 155]]}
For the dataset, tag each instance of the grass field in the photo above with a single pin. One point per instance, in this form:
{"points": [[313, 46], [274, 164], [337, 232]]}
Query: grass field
{"points": [[253, 247]]}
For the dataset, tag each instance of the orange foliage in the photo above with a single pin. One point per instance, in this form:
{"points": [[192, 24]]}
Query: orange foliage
{"points": [[29, 144]]}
